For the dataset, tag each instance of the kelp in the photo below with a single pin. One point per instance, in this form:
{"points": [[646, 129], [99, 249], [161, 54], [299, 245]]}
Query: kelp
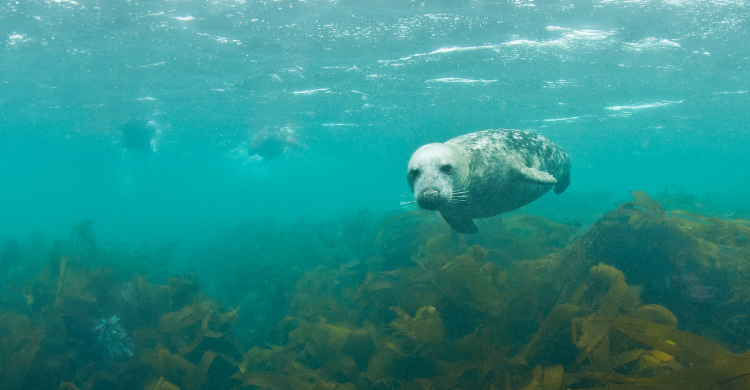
{"points": [[550, 378], [161, 343], [487, 317], [677, 261], [702, 363], [414, 334], [648, 351], [20, 340], [527, 304], [676, 359], [522, 237], [460, 278], [161, 362], [687, 346], [162, 384], [446, 276], [603, 294]]}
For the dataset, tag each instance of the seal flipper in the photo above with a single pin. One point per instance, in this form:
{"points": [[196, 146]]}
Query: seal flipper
{"points": [[536, 176], [563, 184], [460, 223]]}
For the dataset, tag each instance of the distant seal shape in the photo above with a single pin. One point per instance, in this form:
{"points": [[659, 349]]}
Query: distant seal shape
{"points": [[137, 134], [486, 173], [270, 144]]}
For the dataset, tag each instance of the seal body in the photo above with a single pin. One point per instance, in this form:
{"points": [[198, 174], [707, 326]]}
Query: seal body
{"points": [[486, 173], [138, 134], [270, 144]]}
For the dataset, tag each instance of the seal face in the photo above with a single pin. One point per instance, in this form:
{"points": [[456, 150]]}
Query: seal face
{"points": [[486, 173]]}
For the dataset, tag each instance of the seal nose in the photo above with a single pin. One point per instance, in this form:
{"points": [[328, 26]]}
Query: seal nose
{"points": [[429, 200]]}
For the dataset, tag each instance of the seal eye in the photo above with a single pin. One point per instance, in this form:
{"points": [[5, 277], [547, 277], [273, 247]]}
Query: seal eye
{"points": [[413, 174], [447, 168]]}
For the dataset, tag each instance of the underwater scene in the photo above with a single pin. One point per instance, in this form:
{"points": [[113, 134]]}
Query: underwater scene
{"points": [[327, 194]]}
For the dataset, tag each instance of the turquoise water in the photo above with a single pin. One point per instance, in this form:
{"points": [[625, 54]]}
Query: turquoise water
{"points": [[642, 94]]}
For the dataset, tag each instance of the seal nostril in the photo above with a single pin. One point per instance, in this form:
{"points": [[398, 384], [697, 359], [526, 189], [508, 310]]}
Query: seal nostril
{"points": [[429, 199], [431, 196]]}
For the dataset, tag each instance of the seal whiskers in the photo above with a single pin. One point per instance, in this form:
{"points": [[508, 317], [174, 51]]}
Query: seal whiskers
{"points": [[410, 204], [458, 196]]}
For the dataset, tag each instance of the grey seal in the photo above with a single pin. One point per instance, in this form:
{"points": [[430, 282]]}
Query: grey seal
{"points": [[270, 144], [486, 173], [138, 134]]}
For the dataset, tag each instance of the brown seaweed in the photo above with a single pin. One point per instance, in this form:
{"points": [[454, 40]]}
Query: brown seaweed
{"points": [[527, 304]]}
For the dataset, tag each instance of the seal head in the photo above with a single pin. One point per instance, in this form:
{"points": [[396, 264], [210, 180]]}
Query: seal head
{"points": [[436, 174]]}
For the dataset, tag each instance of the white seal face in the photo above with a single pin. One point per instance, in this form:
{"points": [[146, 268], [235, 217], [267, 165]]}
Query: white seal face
{"points": [[435, 173]]}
